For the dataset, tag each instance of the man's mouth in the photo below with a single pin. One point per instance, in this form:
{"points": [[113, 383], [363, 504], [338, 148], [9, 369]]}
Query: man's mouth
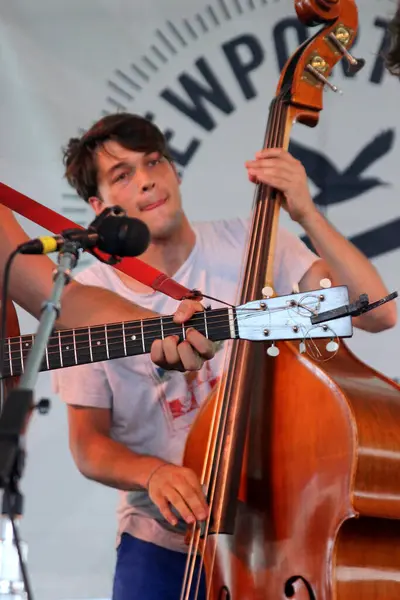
{"points": [[154, 205]]}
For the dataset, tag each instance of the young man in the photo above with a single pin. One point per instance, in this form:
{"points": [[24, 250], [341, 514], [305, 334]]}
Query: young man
{"points": [[31, 284], [128, 420]]}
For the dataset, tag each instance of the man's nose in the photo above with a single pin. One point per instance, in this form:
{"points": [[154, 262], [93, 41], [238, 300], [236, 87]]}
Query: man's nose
{"points": [[147, 186], [145, 181]]}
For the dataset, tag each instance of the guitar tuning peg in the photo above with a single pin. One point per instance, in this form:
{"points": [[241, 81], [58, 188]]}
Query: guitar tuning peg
{"points": [[325, 283], [295, 289], [340, 38], [332, 346], [267, 291], [302, 348], [273, 351]]}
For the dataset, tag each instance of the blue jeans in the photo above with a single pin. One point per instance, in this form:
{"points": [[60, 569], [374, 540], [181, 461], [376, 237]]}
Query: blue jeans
{"points": [[145, 571]]}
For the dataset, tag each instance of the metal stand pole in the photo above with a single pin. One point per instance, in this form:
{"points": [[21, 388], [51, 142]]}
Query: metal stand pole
{"points": [[14, 580]]}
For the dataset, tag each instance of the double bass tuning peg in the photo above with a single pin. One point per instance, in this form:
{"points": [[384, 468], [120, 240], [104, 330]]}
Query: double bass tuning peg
{"points": [[317, 67], [340, 38]]}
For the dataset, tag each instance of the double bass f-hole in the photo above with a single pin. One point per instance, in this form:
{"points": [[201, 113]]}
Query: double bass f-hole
{"points": [[290, 589]]}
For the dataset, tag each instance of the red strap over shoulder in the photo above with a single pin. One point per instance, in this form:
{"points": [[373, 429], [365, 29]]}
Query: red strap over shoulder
{"points": [[56, 223]]}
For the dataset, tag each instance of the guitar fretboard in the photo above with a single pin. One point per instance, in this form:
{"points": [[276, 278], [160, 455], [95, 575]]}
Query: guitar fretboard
{"points": [[69, 348]]}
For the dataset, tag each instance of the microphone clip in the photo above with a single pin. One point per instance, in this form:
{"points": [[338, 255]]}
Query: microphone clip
{"points": [[110, 211]]}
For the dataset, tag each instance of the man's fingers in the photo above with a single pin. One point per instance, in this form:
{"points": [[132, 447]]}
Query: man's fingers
{"points": [[188, 355], [201, 344], [170, 348], [162, 503], [175, 498], [275, 153], [190, 359], [197, 508], [186, 309], [164, 353], [194, 496], [157, 353], [195, 350], [179, 488]]}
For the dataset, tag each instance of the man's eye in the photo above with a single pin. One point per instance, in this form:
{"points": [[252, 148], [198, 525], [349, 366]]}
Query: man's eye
{"points": [[155, 161], [120, 177]]}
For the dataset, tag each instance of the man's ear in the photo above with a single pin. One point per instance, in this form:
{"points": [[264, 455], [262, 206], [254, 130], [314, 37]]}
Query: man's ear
{"points": [[97, 204]]}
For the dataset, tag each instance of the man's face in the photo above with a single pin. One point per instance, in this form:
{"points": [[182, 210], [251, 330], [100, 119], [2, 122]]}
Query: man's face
{"points": [[145, 185]]}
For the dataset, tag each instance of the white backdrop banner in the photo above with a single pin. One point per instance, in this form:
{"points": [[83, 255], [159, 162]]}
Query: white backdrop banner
{"points": [[205, 71]]}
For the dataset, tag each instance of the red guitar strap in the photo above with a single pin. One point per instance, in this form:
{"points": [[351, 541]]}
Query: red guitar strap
{"points": [[54, 222]]}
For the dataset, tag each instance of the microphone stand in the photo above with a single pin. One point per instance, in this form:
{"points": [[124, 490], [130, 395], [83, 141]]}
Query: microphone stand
{"points": [[14, 580]]}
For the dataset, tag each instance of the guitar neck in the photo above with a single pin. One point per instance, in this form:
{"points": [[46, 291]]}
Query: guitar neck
{"points": [[73, 347]]}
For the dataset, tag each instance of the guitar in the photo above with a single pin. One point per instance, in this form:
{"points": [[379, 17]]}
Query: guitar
{"points": [[269, 320]]}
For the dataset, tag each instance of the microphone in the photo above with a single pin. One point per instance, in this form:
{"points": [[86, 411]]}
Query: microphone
{"points": [[115, 235]]}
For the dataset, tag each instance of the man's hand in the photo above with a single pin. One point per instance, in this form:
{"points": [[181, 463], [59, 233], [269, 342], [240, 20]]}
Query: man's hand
{"points": [[188, 355], [179, 487], [277, 168]]}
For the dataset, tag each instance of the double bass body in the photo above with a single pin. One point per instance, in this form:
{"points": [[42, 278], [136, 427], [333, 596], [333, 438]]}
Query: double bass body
{"points": [[318, 512], [302, 462]]}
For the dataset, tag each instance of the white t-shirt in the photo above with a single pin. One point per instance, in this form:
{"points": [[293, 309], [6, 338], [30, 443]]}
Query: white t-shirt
{"points": [[153, 409]]}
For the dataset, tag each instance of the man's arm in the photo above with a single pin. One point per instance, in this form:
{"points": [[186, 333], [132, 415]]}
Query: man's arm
{"points": [[106, 461], [344, 264], [341, 261], [31, 280]]}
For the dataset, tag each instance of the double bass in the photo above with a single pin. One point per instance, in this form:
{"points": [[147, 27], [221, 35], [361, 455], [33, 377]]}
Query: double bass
{"points": [[299, 458]]}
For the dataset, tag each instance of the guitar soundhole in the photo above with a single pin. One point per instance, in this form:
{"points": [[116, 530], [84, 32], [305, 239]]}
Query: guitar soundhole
{"points": [[290, 590]]}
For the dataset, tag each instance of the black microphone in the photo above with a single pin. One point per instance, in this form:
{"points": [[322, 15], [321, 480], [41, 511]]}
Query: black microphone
{"points": [[115, 235]]}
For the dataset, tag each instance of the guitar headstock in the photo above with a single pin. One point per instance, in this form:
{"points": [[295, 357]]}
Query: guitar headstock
{"points": [[289, 317]]}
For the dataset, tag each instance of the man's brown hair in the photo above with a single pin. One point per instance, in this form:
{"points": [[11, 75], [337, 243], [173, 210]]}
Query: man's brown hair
{"points": [[130, 131], [392, 58]]}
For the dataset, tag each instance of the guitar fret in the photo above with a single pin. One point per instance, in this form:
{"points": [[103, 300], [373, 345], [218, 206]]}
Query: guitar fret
{"points": [[47, 358], [74, 344], [205, 323], [162, 328], [9, 358], [124, 339], [168, 327], [60, 349], [183, 331], [22, 355], [107, 348], [141, 328], [90, 344]]}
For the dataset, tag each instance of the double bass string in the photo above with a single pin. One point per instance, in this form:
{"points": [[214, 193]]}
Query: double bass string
{"points": [[195, 536], [273, 138]]}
